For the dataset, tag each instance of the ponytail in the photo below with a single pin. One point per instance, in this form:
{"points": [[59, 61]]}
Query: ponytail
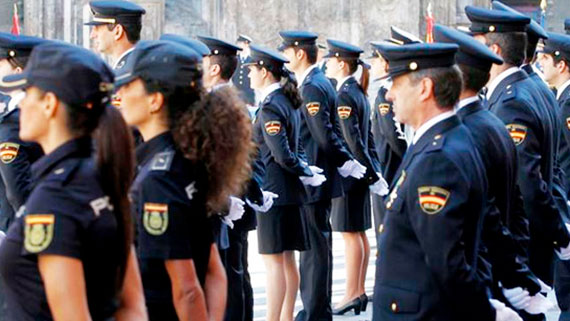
{"points": [[115, 163], [216, 131], [365, 75], [289, 86]]}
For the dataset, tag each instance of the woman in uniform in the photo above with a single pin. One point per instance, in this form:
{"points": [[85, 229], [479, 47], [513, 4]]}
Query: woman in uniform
{"points": [[70, 251], [195, 154], [351, 213], [281, 230]]}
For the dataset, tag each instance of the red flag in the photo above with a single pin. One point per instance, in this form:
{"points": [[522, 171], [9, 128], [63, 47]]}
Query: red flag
{"points": [[430, 22], [15, 22]]}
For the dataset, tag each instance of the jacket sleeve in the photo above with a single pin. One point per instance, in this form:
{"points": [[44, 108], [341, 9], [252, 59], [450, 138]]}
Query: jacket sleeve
{"points": [[349, 123], [275, 136], [441, 234], [316, 113], [16, 172], [537, 195]]}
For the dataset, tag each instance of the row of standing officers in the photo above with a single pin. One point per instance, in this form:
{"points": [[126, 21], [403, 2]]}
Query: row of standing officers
{"points": [[461, 157]]}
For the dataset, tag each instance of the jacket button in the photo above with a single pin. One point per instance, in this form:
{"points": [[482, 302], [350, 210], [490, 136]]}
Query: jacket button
{"points": [[381, 228], [394, 307], [241, 82]]}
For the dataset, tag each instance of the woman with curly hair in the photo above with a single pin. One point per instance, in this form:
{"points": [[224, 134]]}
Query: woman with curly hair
{"points": [[281, 230], [195, 154]]}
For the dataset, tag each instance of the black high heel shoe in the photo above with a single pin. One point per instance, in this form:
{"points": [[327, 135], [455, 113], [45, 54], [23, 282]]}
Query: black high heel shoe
{"points": [[354, 304], [364, 302]]}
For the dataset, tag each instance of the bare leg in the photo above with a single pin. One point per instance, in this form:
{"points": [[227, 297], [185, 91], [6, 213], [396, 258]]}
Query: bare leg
{"points": [[275, 285], [354, 253], [366, 248], [292, 282]]}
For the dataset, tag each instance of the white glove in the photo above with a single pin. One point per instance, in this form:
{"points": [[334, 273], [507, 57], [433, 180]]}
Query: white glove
{"points": [[2, 236], [539, 304], [352, 168], [517, 297], [503, 313], [316, 180], [235, 213], [380, 187], [544, 288], [268, 198], [564, 253]]}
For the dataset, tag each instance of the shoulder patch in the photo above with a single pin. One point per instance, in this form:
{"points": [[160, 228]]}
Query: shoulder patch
{"points": [[517, 132], [313, 108], [344, 112], [8, 152], [155, 218], [38, 232], [162, 161], [383, 109], [432, 199], [273, 127]]}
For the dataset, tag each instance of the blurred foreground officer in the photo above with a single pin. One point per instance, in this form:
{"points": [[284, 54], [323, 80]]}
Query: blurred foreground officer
{"points": [[323, 146], [555, 62], [219, 67], [180, 180], [513, 97], [16, 156], [283, 229], [116, 28], [70, 252], [428, 248], [351, 212], [239, 78], [506, 254]]}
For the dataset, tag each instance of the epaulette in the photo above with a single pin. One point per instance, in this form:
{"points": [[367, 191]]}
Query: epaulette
{"points": [[436, 144], [162, 161], [510, 93], [64, 172]]}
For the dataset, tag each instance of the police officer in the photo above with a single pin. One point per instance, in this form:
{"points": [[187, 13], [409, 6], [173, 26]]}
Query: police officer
{"points": [[555, 61], [351, 213], [499, 156], [116, 28], [219, 66], [69, 252], [429, 242], [16, 156], [282, 229], [239, 78], [535, 33], [513, 98], [176, 186], [323, 146], [389, 138]]}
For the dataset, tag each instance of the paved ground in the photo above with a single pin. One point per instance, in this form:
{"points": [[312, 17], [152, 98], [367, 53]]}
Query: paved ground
{"points": [[257, 271]]}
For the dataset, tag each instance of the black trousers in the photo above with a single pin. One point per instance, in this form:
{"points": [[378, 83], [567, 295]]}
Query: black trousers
{"points": [[315, 265], [562, 288], [240, 293]]}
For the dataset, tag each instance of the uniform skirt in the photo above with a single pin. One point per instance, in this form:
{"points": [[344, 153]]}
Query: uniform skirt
{"points": [[351, 212], [282, 228]]}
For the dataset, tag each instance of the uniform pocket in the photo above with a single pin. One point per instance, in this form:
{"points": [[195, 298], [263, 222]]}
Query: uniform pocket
{"points": [[398, 300]]}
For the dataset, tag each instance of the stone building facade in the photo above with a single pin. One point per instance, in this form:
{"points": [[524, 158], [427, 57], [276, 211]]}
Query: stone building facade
{"points": [[356, 21]]}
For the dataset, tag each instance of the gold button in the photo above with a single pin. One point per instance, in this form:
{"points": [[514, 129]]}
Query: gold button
{"points": [[437, 137], [394, 307], [492, 28], [413, 65], [381, 228], [555, 243]]}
